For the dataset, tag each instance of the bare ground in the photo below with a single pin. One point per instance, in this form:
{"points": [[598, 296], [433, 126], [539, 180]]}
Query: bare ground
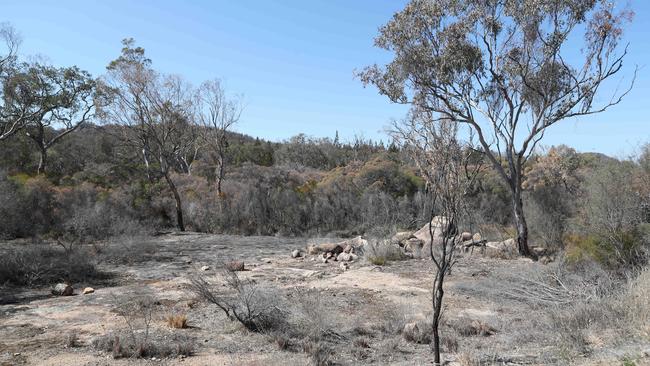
{"points": [[362, 304]]}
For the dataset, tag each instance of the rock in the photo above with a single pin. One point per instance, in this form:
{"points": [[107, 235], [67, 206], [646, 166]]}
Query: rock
{"points": [[355, 243], [439, 225], [235, 266], [344, 266], [296, 254], [466, 236], [348, 249], [413, 245], [353, 257], [506, 246], [266, 260], [88, 290], [62, 289], [476, 237], [324, 248], [189, 261], [205, 268], [343, 257], [400, 237], [324, 259]]}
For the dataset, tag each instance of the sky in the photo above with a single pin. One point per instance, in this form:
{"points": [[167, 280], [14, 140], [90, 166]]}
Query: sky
{"points": [[293, 61]]}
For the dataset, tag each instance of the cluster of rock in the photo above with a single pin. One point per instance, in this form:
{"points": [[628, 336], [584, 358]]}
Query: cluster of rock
{"points": [[64, 289], [432, 233], [345, 251]]}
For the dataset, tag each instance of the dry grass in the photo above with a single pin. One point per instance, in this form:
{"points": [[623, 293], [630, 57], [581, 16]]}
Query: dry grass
{"points": [[635, 300], [176, 321], [468, 359]]}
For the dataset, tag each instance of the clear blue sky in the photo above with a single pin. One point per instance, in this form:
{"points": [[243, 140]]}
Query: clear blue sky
{"points": [[293, 60]]}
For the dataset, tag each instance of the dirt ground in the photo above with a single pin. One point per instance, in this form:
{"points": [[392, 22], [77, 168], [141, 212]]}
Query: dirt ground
{"points": [[359, 303]]}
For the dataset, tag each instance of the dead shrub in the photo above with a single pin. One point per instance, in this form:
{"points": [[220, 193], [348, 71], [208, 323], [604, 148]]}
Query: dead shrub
{"points": [[137, 339], [319, 354], [418, 332], [121, 345], [362, 342], [72, 340], [255, 307]]}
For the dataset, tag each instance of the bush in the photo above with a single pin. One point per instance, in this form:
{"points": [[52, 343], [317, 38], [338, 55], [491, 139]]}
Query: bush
{"points": [[42, 264], [257, 309]]}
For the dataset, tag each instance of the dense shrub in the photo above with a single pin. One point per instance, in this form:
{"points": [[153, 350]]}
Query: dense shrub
{"points": [[42, 264]]}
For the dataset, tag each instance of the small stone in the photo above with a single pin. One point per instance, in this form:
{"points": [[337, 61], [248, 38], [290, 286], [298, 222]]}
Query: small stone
{"points": [[205, 268], [344, 266], [476, 237], [296, 253], [88, 290], [189, 261]]}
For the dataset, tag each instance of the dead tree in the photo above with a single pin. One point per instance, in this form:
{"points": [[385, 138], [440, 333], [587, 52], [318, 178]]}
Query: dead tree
{"points": [[443, 163]]}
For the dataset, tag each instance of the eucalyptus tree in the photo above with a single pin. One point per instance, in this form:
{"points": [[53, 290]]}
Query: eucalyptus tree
{"points": [[156, 113], [217, 114], [12, 117], [58, 101], [509, 69]]}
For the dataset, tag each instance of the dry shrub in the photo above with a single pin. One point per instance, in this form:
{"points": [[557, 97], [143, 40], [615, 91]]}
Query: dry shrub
{"points": [[381, 252], [319, 353], [467, 327], [127, 250], [137, 339], [43, 264], [418, 332], [361, 342], [177, 321], [72, 340], [121, 345], [257, 308]]}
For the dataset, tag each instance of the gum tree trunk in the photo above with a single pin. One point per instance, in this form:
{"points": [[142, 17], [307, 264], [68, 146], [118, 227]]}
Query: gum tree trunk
{"points": [[177, 199]]}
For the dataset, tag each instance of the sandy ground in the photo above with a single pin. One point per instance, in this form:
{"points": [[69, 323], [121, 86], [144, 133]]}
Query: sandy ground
{"points": [[34, 327]]}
